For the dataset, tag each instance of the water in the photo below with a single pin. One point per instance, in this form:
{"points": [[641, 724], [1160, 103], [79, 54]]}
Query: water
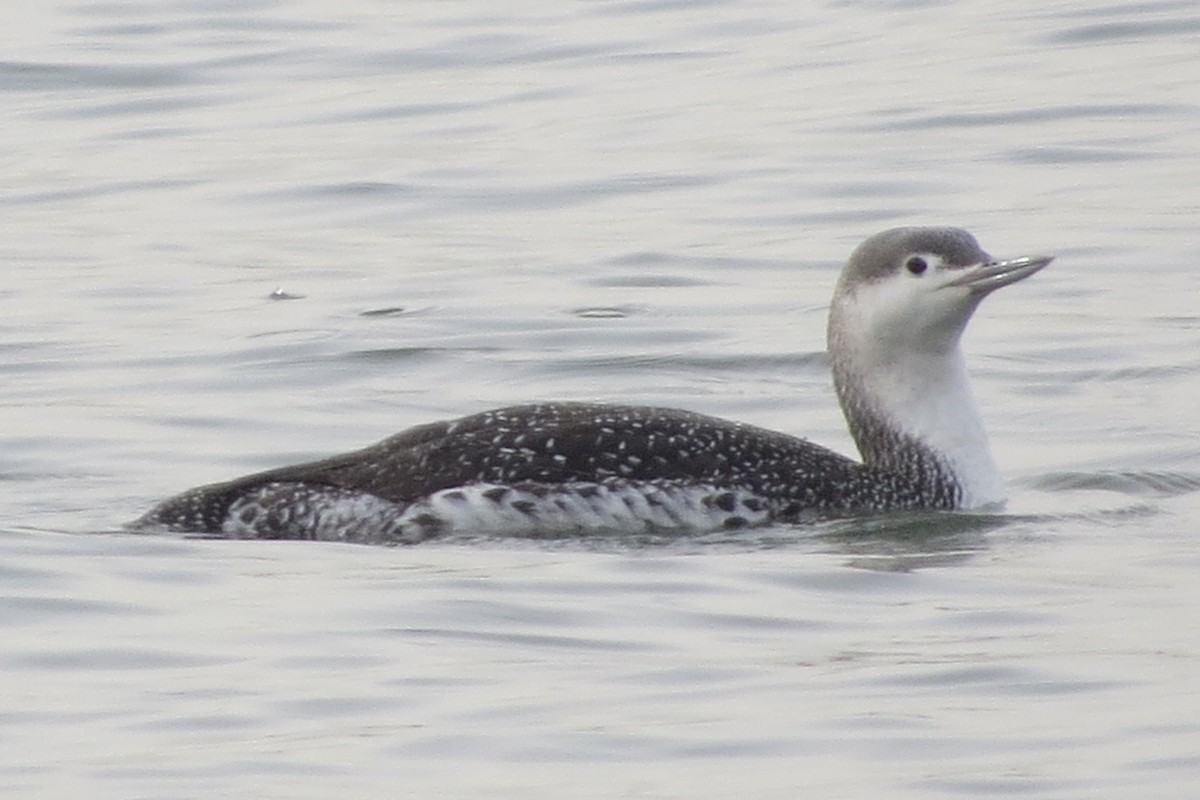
{"points": [[240, 235]]}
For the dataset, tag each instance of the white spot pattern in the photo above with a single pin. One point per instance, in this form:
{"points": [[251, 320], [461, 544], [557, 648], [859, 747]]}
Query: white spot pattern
{"points": [[581, 468]]}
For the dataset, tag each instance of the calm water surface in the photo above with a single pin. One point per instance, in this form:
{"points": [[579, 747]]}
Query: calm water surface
{"points": [[239, 235]]}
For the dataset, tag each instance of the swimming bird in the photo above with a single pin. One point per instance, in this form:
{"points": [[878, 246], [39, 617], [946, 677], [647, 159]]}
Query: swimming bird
{"points": [[899, 310]]}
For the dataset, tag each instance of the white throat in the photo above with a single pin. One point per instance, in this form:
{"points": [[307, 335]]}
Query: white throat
{"points": [[929, 400], [896, 392]]}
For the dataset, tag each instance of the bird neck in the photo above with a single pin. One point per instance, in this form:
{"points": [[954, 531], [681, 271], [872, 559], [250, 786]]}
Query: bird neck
{"points": [[911, 413]]}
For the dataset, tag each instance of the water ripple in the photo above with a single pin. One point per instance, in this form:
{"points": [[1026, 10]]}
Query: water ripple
{"points": [[42, 77], [1156, 484]]}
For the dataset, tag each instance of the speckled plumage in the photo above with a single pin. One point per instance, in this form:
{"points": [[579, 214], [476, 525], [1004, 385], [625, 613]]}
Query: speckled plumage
{"points": [[548, 454], [560, 468]]}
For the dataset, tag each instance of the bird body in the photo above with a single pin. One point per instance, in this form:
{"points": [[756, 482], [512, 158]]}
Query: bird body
{"points": [[902, 302]]}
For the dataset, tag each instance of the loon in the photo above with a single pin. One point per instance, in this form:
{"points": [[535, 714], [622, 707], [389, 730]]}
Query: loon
{"points": [[900, 307]]}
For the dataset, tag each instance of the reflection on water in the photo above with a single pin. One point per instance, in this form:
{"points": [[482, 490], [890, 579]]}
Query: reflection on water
{"points": [[902, 542]]}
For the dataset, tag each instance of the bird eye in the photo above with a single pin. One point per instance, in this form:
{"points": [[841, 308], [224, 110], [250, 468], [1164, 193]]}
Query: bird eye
{"points": [[916, 265]]}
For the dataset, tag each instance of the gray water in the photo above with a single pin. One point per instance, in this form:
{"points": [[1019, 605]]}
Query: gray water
{"points": [[238, 235]]}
